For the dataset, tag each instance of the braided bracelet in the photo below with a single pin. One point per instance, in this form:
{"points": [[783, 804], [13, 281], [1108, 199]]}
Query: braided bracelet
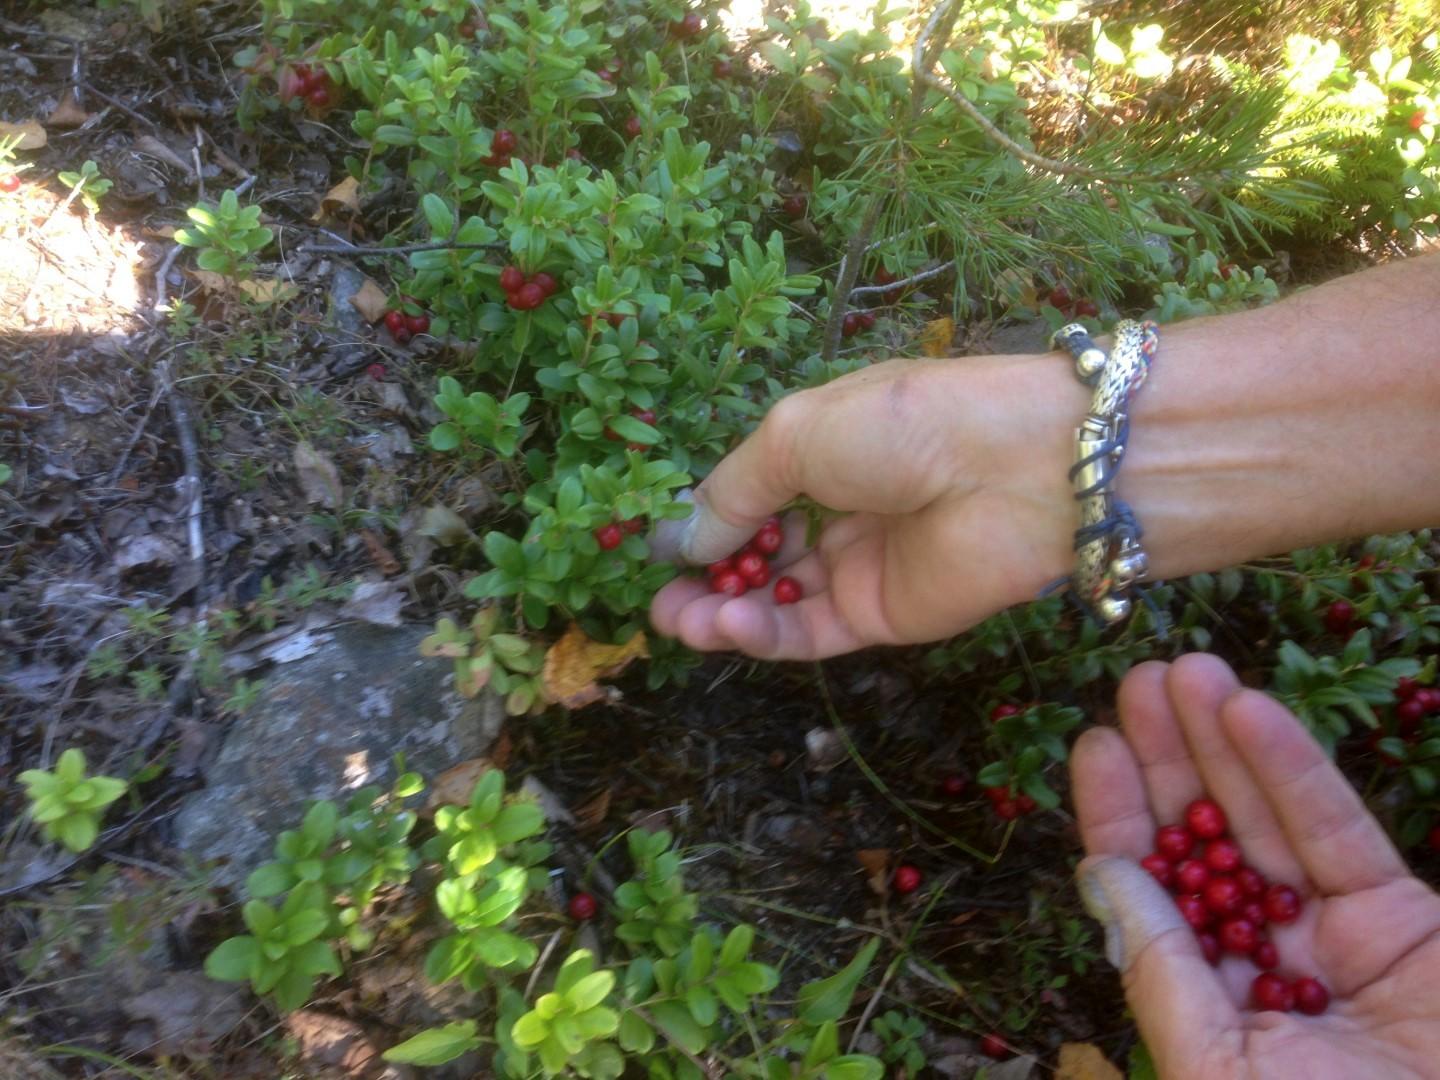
{"points": [[1109, 559]]}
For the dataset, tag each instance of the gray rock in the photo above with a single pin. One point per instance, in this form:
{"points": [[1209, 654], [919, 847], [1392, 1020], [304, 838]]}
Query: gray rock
{"points": [[324, 725], [345, 284]]}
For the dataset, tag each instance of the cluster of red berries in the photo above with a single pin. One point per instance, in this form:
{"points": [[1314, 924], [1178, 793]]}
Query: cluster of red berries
{"points": [[645, 416], [502, 148], [885, 277], [1229, 904], [526, 292], [688, 27], [1415, 702], [749, 569], [855, 321], [311, 83], [1009, 806], [795, 206], [582, 907], [612, 535], [1060, 299], [1340, 618], [10, 182], [403, 327]]}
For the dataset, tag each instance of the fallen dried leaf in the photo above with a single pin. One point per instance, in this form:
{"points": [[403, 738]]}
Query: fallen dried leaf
{"points": [[575, 664], [370, 301], [453, 786], [380, 555], [333, 1042], [263, 291], [343, 196], [319, 479], [937, 337], [149, 144], [875, 862], [68, 113], [442, 524], [591, 813], [1084, 1061], [31, 135], [376, 602]]}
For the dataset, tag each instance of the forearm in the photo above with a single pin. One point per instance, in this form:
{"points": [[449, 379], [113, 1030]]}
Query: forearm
{"points": [[1311, 420]]}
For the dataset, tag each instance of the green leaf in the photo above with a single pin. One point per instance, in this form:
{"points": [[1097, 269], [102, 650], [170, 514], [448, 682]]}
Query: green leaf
{"points": [[269, 879], [318, 825], [70, 768], [315, 958], [436, 1046], [590, 991], [518, 820], [854, 1067], [530, 1030], [829, 999], [77, 831], [233, 959]]}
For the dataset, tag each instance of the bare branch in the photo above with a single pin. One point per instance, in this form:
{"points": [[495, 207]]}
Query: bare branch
{"points": [[903, 283]]}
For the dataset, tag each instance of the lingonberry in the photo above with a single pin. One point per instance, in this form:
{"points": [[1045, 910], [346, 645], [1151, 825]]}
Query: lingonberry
{"points": [[633, 127], [1222, 895], [645, 416], [768, 541], [1405, 688], [526, 298], [884, 276], [1194, 911], [1191, 876], [1159, 868], [993, 1046], [721, 69], [609, 536], [1417, 120], [512, 279], [730, 583], [1429, 698], [788, 591], [850, 325], [503, 142], [466, 30], [1311, 997], [1338, 616], [794, 206], [1007, 809], [1282, 904], [754, 569], [1087, 309], [401, 336], [1025, 804], [720, 566], [376, 372], [1226, 269], [547, 284], [907, 879], [1205, 819], [1060, 298], [1004, 709], [582, 906], [9, 182], [1432, 840], [395, 321], [573, 154], [1409, 713], [1173, 841], [1210, 946], [1270, 991], [952, 786], [1266, 957], [319, 98], [1238, 936], [633, 526], [1254, 910], [1252, 882], [867, 319], [417, 324], [1223, 855], [687, 27]]}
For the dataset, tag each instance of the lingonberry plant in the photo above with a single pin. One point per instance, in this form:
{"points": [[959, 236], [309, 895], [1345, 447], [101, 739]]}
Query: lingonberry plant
{"points": [[67, 804], [227, 235]]}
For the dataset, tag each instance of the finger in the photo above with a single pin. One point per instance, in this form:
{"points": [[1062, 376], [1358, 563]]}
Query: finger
{"points": [[672, 599], [1153, 731], [1110, 802], [810, 630], [1176, 995], [1340, 846], [1198, 685]]}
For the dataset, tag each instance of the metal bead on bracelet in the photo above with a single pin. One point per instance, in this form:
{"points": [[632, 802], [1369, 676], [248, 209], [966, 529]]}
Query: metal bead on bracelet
{"points": [[1109, 561]]}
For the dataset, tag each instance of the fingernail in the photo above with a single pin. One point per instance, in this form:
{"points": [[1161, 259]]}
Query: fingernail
{"points": [[1128, 903], [672, 539]]}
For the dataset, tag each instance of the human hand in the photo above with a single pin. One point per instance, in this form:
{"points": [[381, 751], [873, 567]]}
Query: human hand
{"points": [[954, 476], [1369, 930]]}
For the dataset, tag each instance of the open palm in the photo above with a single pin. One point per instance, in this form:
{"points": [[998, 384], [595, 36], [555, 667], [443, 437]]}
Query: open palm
{"points": [[1370, 930]]}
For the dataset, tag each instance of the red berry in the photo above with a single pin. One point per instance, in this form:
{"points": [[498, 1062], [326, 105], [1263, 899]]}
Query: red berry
{"points": [[1191, 876], [1174, 842], [687, 27], [1223, 895], [1223, 856], [417, 324], [722, 69], [730, 583], [1205, 819], [1059, 298], [376, 372], [527, 297], [1254, 910], [1087, 309], [1266, 957], [1238, 936], [788, 591], [466, 30], [1007, 809], [582, 906], [573, 154], [850, 325], [10, 182], [1405, 688], [1159, 868], [319, 98], [1210, 946], [1001, 711], [1433, 838], [1410, 712], [395, 321], [645, 416], [1282, 904], [720, 566], [401, 336], [633, 127], [907, 879], [1194, 911], [768, 541], [1311, 997], [953, 786], [1417, 120], [794, 206], [993, 1046], [632, 526], [503, 142], [1025, 804], [1272, 992], [1338, 616], [867, 319], [609, 536], [997, 794], [1252, 882], [884, 277], [512, 279], [605, 75], [547, 284], [1226, 269], [754, 569], [1429, 698]]}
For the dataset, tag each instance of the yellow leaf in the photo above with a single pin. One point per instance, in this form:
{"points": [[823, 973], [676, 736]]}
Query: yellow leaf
{"points": [[343, 196], [67, 113], [32, 136], [575, 664], [268, 290], [936, 338], [1084, 1061], [370, 301]]}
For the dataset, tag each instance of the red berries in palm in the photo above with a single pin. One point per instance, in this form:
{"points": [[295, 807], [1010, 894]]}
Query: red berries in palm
{"points": [[526, 298], [768, 541], [1254, 910], [1223, 856], [1205, 819], [1270, 991], [1194, 911], [503, 142], [751, 566], [1238, 936], [1173, 841], [9, 182], [512, 279], [1311, 997], [1191, 876], [720, 566], [1282, 904], [788, 591], [1252, 882], [547, 284], [794, 206], [1210, 946], [1223, 896], [1266, 957], [1338, 616], [730, 583], [582, 906], [1160, 868], [993, 1046], [609, 536], [633, 127], [907, 879]]}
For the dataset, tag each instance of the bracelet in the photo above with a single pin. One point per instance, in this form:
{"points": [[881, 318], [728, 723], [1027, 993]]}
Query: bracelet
{"points": [[1109, 560]]}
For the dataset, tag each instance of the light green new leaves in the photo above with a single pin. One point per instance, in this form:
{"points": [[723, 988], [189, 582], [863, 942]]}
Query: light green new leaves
{"points": [[66, 804]]}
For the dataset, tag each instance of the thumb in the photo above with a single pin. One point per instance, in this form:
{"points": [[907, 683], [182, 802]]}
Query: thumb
{"points": [[1178, 1000]]}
